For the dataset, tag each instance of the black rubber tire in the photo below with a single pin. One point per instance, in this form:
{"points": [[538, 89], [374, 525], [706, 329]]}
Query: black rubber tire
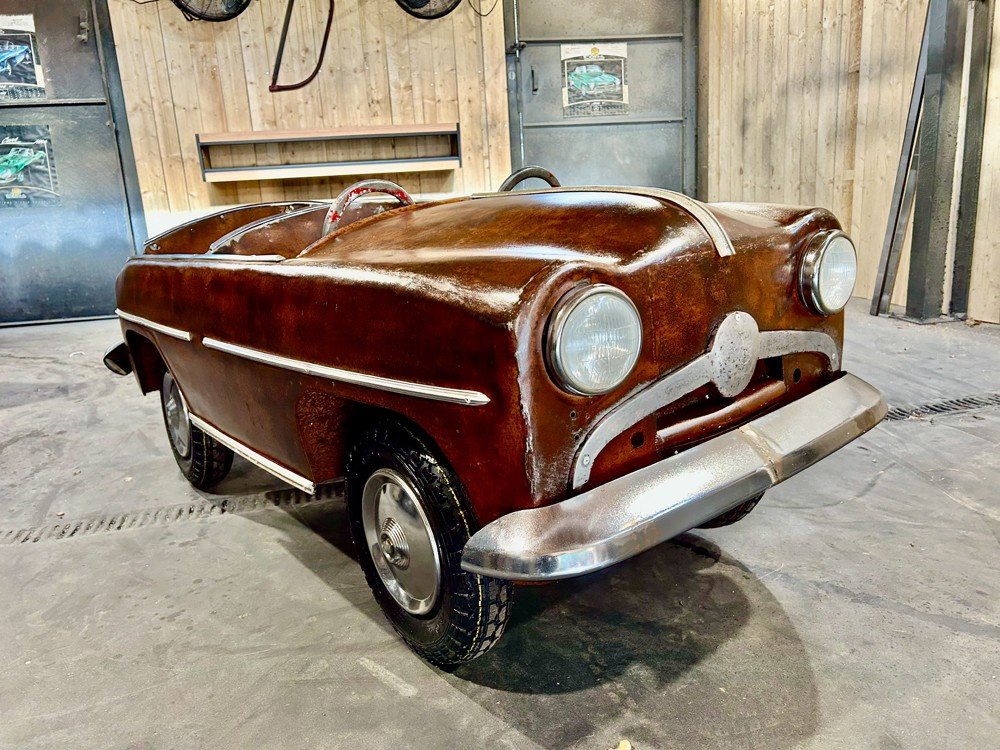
{"points": [[733, 515], [207, 461], [472, 610]]}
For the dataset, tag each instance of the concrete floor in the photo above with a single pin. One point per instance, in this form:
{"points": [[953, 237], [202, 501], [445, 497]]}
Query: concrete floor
{"points": [[857, 607]]}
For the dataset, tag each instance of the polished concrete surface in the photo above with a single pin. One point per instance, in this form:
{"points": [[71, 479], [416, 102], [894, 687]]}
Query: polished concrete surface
{"points": [[857, 607]]}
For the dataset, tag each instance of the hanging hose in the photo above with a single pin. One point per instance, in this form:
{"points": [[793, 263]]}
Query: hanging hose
{"points": [[275, 86]]}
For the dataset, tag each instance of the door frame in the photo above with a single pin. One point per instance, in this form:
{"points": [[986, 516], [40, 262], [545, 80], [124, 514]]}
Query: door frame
{"points": [[119, 119], [515, 44]]}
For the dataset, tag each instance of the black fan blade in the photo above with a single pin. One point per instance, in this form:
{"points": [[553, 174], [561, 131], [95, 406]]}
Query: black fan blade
{"points": [[428, 8]]}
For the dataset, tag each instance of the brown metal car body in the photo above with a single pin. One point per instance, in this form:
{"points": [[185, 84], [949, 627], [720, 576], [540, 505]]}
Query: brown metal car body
{"points": [[458, 294]]}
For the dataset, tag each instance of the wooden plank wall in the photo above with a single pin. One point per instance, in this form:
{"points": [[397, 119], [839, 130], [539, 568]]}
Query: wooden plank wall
{"points": [[806, 104], [382, 67], [984, 296], [891, 37]]}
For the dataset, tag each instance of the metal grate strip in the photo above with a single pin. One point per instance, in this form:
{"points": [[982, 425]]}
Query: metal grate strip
{"points": [[948, 406], [170, 514]]}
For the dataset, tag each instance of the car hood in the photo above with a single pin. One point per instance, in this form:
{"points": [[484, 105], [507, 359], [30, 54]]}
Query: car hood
{"points": [[496, 244]]}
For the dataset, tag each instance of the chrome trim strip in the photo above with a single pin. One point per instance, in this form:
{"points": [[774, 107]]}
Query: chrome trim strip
{"points": [[237, 233], [191, 222], [780, 343], [205, 257], [630, 514], [696, 209], [406, 388], [281, 472], [729, 364], [177, 333]]}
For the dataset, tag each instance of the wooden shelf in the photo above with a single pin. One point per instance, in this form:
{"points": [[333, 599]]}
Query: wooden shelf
{"points": [[449, 160]]}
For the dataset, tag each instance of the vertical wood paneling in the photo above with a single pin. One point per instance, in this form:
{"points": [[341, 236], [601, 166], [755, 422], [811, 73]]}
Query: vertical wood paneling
{"points": [[737, 113], [810, 105], [888, 66], [984, 295], [382, 67]]}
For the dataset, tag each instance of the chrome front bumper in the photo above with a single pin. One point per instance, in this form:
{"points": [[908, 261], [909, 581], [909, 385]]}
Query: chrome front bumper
{"points": [[639, 510]]}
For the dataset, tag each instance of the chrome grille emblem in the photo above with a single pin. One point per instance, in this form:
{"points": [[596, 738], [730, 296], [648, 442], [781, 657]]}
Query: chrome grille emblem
{"points": [[734, 354], [736, 347]]}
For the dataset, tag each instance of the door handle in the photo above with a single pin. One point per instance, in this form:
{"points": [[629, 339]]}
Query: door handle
{"points": [[534, 81]]}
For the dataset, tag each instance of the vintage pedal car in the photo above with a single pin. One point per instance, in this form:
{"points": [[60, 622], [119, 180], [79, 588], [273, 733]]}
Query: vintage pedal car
{"points": [[519, 386]]}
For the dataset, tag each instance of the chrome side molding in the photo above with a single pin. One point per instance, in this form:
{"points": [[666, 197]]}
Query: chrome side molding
{"points": [[272, 467], [403, 387], [203, 257], [729, 364], [176, 333]]}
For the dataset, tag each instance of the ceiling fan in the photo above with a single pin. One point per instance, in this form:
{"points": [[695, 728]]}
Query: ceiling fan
{"points": [[226, 10], [211, 10], [428, 8]]}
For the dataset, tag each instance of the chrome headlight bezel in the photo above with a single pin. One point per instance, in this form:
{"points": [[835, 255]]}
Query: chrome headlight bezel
{"points": [[556, 328], [809, 271]]}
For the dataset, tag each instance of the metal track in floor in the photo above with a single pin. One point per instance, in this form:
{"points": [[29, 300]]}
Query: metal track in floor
{"points": [[170, 514], [288, 499], [947, 406]]}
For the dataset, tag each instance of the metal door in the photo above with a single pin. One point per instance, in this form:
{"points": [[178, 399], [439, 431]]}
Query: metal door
{"points": [[65, 234], [652, 141]]}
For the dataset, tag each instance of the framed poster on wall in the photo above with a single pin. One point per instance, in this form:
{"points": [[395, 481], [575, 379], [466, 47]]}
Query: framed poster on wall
{"points": [[27, 170], [595, 79], [21, 74]]}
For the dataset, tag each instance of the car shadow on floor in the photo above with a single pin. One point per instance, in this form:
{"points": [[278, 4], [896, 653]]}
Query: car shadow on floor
{"points": [[680, 646]]}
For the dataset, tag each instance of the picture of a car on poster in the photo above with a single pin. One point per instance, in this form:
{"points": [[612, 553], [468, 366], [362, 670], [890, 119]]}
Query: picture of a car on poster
{"points": [[590, 79], [12, 55], [15, 161]]}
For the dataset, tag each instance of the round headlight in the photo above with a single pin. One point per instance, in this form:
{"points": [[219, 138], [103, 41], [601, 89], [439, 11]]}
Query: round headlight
{"points": [[594, 339], [829, 270]]}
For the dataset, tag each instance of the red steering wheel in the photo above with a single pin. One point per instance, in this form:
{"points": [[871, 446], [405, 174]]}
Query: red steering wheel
{"points": [[355, 191]]}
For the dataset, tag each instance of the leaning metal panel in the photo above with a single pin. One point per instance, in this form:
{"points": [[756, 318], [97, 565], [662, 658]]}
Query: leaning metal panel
{"points": [[729, 365]]}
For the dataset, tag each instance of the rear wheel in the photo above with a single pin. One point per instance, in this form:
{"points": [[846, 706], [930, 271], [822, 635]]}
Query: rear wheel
{"points": [[410, 520], [202, 459], [733, 515]]}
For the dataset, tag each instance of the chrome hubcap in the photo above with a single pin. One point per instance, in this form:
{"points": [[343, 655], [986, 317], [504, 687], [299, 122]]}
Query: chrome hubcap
{"points": [[400, 541], [178, 424]]}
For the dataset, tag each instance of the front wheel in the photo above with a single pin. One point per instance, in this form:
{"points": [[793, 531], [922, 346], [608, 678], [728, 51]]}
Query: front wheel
{"points": [[733, 515], [202, 459], [410, 520]]}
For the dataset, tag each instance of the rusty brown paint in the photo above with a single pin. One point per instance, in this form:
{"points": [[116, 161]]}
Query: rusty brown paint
{"points": [[458, 294]]}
